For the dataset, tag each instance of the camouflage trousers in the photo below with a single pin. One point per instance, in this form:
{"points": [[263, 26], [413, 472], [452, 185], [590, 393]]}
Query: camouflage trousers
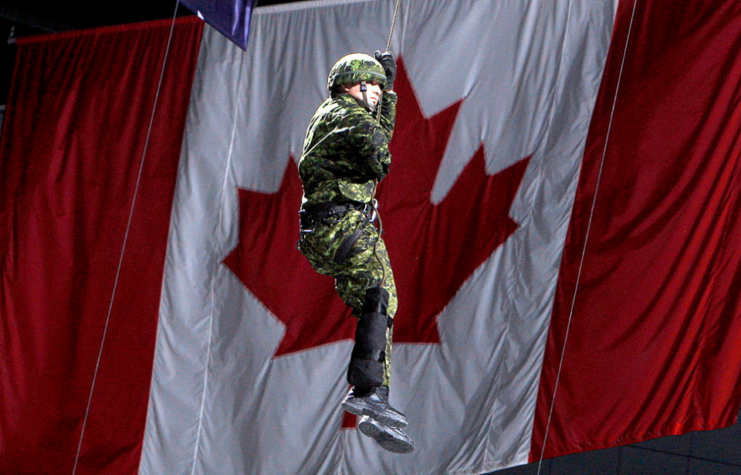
{"points": [[355, 268]]}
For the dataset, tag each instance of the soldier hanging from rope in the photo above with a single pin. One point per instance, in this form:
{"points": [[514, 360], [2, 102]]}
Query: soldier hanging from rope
{"points": [[345, 155]]}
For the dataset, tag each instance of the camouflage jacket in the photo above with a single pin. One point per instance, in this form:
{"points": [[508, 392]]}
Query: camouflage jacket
{"points": [[345, 149]]}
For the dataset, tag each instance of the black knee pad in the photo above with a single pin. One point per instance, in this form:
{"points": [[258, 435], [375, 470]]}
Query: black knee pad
{"points": [[370, 337], [366, 363], [376, 301]]}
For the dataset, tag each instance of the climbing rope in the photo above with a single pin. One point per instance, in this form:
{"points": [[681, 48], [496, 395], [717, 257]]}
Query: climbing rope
{"points": [[374, 203], [393, 24]]}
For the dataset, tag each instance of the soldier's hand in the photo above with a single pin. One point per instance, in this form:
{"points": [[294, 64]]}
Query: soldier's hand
{"points": [[389, 66]]}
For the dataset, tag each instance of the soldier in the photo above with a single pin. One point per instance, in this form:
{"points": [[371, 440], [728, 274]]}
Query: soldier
{"points": [[345, 155]]}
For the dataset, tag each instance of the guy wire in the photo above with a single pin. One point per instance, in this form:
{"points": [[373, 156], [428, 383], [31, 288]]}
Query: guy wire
{"points": [[126, 238], [586, 239]]}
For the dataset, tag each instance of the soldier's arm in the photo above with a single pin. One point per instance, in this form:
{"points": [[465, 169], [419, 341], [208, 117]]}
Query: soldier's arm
{"points": [[369, 142], [388, 113]]}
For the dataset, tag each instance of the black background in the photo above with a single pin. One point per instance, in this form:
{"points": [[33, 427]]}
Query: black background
{"points": [[20, 18]]}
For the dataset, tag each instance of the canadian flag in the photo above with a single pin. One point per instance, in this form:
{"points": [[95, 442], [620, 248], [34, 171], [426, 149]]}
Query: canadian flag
{"points": [[562, 217]]}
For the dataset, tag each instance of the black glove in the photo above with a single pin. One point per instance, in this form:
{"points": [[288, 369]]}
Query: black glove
{"points": [[389, 66]]}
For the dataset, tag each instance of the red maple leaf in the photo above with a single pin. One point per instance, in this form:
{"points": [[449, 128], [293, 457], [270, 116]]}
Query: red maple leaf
{"points": [[434, 248]]}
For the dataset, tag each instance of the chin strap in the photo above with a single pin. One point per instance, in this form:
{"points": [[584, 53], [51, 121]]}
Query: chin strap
{"points": [[363, 89], [378, 107]]}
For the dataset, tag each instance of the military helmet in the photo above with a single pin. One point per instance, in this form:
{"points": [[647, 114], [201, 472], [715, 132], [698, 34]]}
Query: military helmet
{"points": [[355, 68]]}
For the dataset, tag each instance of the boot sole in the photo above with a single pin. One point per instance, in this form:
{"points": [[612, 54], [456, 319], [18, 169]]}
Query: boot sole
{"points": [[385, 440]]}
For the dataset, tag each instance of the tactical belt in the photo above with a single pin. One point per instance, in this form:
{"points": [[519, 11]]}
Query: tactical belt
{"points": [[314, 214]]}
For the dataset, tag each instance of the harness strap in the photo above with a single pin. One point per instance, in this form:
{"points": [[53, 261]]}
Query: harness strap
{"points": [[346, 246], [314, 214]]}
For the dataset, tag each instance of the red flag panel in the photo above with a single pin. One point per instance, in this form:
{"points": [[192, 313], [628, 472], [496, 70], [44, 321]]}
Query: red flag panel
{"points": [[69, 160], [653, 345]]}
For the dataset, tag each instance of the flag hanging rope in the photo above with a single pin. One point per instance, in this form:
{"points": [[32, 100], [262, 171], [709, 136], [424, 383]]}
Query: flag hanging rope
{"points": [[126, 238], [586, 240]]}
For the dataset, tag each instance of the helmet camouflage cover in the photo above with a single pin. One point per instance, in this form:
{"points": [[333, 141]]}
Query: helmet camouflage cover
{"points": [[355, 68]]}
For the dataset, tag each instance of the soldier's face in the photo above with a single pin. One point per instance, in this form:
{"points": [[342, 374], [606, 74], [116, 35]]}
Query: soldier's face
{"points": [[373, 92]]}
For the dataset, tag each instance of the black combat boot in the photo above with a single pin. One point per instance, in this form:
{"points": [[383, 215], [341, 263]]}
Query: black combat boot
{"points": [[374, 403]]}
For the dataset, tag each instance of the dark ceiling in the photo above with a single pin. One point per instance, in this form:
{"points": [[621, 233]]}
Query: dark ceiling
{"points": [[33, 17]]}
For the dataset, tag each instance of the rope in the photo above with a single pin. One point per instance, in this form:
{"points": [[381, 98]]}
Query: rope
{"points": [[375, 182], [393, 24], [586, 240], [388, 48], [126, 238], [380, 233]]}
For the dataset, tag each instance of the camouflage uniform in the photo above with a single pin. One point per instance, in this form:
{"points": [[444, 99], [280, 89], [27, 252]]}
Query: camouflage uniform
{"points": [[346, 151]]}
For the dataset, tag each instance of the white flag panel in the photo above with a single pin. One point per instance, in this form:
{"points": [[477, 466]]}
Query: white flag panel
{"points": [[527, 74]]}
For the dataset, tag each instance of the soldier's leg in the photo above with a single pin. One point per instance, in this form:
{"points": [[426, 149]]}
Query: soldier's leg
{"points": [[368, 279], [390, 286], [365, 282], [368, 369], [368, 267], [344, 247]]}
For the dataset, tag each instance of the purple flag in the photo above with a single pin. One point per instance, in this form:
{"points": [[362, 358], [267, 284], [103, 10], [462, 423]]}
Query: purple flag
{"points": [[230, 17]]}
